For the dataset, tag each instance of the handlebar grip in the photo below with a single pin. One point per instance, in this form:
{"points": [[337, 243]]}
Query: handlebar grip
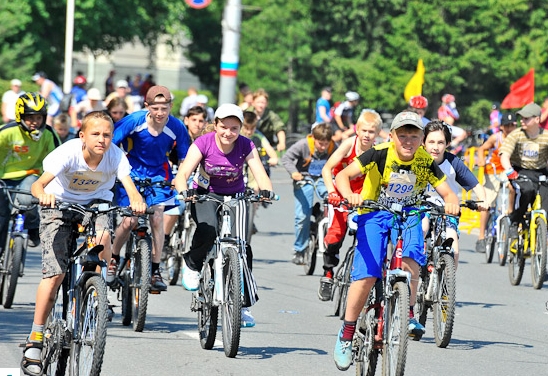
{"points": [[149, 211], [34, 201]]}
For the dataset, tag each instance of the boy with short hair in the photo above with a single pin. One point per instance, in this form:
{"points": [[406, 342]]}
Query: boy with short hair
{"points": [[388, 166], [305, 160], [368, 127]]}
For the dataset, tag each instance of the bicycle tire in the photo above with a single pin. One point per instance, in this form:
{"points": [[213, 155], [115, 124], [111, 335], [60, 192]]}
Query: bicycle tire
{"points": [[231, 310], [6, 258], [173, 259], [538, 258], [345, 285], [56, 353], [490, 238], [338, 279], [395, 331], [127, 301], [502, 246], [421, 306], [516, 264], [10, 284], [366, 353], [310, 255], [141, 283], [86, 353], [207, 313], [444, 300]]}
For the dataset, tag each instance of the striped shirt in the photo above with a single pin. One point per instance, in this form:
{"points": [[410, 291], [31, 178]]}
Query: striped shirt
{"points": [[525, 152]]}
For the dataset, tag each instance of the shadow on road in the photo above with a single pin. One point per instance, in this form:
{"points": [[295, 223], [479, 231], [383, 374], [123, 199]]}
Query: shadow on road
{"points": [[458, 344], [269, 352], [479, 304]]}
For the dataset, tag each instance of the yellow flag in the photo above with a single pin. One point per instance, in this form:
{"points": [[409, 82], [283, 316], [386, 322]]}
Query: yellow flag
{"points": [[414, 86]]}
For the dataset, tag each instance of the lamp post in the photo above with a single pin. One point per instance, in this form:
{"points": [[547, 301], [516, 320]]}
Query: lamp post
{"points": [[232, 19], [69, 39]]}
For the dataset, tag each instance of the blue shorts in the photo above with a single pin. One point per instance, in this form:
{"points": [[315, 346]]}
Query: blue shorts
{"points": [[372, 239]]}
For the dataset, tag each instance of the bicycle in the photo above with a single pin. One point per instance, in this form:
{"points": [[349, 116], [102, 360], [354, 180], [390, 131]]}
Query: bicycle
{"points": [[14, 253], [382, 326], [223, 280], [76, 328], [437, 280], [341, 278], [530, 243], [498, 224], [318, 228], [180, 240]]}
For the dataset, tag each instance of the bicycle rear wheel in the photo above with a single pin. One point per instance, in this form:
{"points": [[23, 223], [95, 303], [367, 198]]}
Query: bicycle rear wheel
{"points": [[86, 353], [127, 301], [366, 353], [207, 312], [516, 264], [173, 259], [14, 263], [232, 307], [310, 255], [444, 300], [395, 331], [538, 259], [490, 238], [502, 245], [141, 283], [421, 306]]}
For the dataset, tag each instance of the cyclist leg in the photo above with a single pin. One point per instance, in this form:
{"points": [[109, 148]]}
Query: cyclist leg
{"points": [[304, 198], [5, 211], [333, 241]]}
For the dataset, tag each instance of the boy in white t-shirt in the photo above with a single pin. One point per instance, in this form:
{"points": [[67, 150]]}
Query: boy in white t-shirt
{"points": [[81, 171]]}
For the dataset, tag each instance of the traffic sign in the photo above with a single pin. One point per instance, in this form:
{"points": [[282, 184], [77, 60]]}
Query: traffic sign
{"points": [[198, 4]]}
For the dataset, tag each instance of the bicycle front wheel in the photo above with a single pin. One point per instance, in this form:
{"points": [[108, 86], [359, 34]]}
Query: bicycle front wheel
{"points": [[538, 260], [86, 353], [444, 300], [396, 312], [421, 306], [516, 264], [344, 284], [502, 245], [491, 238], [310, 255], [141, 283], [14, 263], [366, 353], [207, 312], [56, 352], [232, 307]]}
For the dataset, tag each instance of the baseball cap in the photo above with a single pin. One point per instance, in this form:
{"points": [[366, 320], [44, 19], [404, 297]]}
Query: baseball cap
{"points": [[508, 118], [406, 118], [38, 75], [530, 110], [229, 109], [155, 91], [15, 82], [121, 83], [80, 80], [201, 98], [351, 96], [94, 94]]}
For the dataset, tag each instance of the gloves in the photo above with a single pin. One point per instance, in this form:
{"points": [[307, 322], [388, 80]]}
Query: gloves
{"points": [[334, 199], [511, 174], [189, 193], [264, 193]]}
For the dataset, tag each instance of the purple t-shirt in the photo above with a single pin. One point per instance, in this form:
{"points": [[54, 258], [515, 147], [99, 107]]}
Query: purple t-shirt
{"points": [[225, 170]]}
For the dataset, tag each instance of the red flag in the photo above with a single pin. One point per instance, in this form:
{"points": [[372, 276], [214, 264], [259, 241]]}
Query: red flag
{"points": [[522, 92]]}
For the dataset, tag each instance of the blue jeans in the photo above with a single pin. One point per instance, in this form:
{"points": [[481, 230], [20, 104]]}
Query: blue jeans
{"points": [[32, 219], [304, 200]]}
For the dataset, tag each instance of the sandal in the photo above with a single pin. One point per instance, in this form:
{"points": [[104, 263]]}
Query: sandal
{"points": [[27, 362]]}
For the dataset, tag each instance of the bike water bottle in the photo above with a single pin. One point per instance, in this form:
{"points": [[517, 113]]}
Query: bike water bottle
{"points": [[19, 222]]}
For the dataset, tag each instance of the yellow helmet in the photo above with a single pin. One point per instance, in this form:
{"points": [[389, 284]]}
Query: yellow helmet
{"points": [[31, 104]]}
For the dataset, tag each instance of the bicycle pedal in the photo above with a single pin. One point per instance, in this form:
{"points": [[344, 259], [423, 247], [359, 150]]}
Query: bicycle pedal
{"points": [[154, 292]]}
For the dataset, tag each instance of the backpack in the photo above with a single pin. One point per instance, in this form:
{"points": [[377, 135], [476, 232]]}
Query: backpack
{"points": [[310, 140]]}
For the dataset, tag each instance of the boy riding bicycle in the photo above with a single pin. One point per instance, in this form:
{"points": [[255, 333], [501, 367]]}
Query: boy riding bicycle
{"points": [[81, 171], [397, 173]]}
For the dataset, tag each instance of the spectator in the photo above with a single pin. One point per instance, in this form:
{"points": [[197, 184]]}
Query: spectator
{"points": [[269, 122], [189, 101], [109, 83], [122, 91], [61, 125], [94, 102], [135, 92], [342, 122], [52, 93], [201, 100], [323, 106], [78, 91], [544, 114], [8, 100], [147, 84], [245, 97], [117, 109]]}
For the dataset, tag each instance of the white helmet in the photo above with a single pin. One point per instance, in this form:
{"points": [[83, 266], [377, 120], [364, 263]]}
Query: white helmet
{"points": [[352, 96]]}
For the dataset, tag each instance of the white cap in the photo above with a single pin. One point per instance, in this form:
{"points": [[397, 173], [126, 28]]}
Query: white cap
{"points": [[15, 82], [94, 94], [200, 98], [122, 83], [229, 109]]}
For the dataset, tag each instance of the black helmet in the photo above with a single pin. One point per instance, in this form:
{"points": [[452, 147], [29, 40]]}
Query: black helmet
{"points": [[31, 104]]}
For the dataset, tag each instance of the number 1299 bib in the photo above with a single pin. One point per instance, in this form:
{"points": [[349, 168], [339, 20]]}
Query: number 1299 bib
{"points": [[400, 185]]}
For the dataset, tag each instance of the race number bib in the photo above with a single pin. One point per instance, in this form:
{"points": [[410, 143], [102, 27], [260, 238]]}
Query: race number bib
{"points": [[201, 178], [85, 181], [400, 185], [530, 151], [315, 168]]}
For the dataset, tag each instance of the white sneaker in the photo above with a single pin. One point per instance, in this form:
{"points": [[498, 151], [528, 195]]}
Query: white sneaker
{"points": [[111, 271], [247, 319], [191, 279]]}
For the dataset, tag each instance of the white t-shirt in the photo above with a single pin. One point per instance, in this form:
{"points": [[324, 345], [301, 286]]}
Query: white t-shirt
{"points": [[77, 183], [9, 98]]}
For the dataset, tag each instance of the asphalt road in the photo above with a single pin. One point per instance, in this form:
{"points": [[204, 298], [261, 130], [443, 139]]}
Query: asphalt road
{"points": [[499, 329]]}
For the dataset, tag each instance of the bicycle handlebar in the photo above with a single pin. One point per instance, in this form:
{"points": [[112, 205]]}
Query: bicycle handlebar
{"points": [[125, 211], [33, 200]]}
